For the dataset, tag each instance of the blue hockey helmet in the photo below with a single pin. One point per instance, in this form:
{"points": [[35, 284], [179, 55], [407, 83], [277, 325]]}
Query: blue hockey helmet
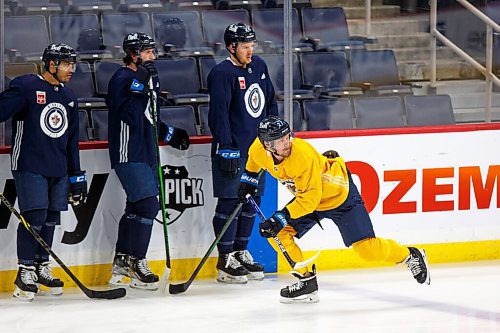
{"points": [[58, 52], [136, 42], [272, 128], [239, 33]]}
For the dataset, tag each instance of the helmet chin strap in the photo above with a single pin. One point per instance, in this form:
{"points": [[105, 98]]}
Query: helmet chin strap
{"points": [[54, 75], [235, 55]]}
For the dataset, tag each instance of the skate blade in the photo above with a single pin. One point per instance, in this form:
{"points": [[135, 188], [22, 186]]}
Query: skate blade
{"points": [[25, 296], [119, 281], [309, 298], [256, 276], [49, 291], [231, 279], [136, 284]]}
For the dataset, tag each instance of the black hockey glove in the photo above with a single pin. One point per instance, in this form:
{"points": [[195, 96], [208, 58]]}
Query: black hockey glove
{"points": [[273, 225], [145, 71], [77, 188], [178, 138], [331, 154], [229, 161], [248, 185]]}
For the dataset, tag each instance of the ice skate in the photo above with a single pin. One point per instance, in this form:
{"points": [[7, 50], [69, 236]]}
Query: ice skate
{"points": [[417, 264], [230, 270], [47, 280], [120, 271], [141, 276], [256, 270], [303, 291], [25, 283]]}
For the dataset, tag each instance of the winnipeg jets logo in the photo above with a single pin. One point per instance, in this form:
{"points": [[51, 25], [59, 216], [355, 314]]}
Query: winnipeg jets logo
{"points": [[254, 100], [181, 191], [54, 120]]}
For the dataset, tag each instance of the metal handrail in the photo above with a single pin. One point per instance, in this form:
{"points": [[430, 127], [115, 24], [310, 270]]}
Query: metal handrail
{"points": [[486, 71]]}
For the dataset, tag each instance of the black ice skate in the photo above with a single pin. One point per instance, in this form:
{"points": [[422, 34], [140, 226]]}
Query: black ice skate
{"points": [[120, 270], [417, 264], [256, 270], [230, 270], [25, 283], [46, 279], [303, 291], [141, 276]]}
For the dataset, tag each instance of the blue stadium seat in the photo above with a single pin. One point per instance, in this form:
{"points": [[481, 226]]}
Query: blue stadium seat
{"points": [[206, 65], [429, 110], [180, 116], [179, 81], [214, 24], [81, 32], [275, 66], [328, 114], [83, 126], [377, 71], [116, 26], [379, 112], [297, 115], [99, 124], [82, 85], [103, 72], [25, 37], [268, 25], [328, 27], [329, 73], [190, 43], [203, 116]]}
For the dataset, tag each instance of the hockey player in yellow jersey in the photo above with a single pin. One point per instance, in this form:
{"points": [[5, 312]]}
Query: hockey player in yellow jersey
{"points": [[323, 188]]}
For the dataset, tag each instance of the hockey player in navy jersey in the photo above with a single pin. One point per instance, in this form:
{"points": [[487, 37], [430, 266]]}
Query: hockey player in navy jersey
{"points": [[132, 154], [44, 157], [241, 95]]}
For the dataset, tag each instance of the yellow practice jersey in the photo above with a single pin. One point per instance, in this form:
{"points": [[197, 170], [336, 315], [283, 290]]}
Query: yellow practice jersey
{"points": [[318, 183]]}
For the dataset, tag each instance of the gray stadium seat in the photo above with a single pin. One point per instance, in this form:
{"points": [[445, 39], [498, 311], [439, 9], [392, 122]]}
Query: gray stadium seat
{"points": [[82, 85], [379, 112], [90, 6], [26, 37], [214, 24], [203, 116], [83, 126], [180, 116], [328, 114], [99, 124], [36, 7], [297, 115], [206, 65], [103, 73], [429, 110]]}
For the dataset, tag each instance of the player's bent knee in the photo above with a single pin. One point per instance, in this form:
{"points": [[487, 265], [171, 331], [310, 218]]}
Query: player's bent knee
{"points": [[147, 208]]}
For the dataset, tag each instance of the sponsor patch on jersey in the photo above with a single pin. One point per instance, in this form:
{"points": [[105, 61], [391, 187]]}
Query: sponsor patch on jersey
{"points": [[41, 97], [136, 86], [241, 80], [54, 120], [263, 76], [254, 100]]}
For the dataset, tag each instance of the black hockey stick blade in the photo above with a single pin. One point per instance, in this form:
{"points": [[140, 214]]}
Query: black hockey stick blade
{"points": [[182, 287], [106, 294]]}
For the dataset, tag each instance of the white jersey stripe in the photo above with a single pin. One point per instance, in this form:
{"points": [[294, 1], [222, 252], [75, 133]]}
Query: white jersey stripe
{"points": [[16, 149], [124, 138]]}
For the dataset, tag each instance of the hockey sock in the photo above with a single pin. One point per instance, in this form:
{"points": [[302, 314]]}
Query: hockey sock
{"points": [[380, 249], [141, 229], [286, 236], [26, 243], [123, 242], [245, 226], [222, 211], [47, 233]]}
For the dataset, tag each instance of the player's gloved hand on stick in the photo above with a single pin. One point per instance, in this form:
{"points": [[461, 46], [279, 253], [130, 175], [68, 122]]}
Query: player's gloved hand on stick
{"points": [[77, 188], [273, 225], [248, 185], [145, 71], [176, 137], [229, 161]]}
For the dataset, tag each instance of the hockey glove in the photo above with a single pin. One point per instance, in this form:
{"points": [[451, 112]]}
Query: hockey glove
{"points": [[229, 161], [77, 188], [273, 225], [178, 138], [248, 185], [145, 71]]}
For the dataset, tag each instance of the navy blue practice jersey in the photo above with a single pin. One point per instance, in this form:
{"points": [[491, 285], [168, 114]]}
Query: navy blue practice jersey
{"points": [[44, 126], [239, 99]]}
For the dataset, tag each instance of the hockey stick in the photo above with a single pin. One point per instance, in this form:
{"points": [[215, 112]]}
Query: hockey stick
{"points": [[292, 263], [162, 285], [182, 287], [107, 294]]}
